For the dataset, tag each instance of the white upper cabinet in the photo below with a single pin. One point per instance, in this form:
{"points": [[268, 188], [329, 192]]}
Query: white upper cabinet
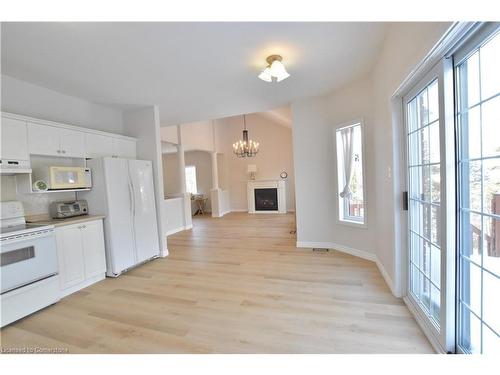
{"points": [[14, 140], [22, 136], [55, 141], [72, 143], [125, 148], [43, 140], [98, 145]]}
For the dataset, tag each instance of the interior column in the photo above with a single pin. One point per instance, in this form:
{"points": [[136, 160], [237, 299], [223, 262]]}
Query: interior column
{"points": [[188, 221]]}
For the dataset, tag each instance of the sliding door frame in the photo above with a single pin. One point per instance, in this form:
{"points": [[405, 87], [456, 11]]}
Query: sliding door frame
{"points": [[438, 58]]}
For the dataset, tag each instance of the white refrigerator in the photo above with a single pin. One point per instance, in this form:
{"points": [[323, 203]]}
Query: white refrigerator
{"points": [[123, 191]]}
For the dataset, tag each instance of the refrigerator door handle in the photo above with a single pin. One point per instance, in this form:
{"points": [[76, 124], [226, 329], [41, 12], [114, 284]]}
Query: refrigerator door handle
{"points": [[132, 197]]}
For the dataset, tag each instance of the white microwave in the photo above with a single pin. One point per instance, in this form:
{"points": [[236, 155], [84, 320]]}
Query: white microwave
{"points": [[60, 178]]}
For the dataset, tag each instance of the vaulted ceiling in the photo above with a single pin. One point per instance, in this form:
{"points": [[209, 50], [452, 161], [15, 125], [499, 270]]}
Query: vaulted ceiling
{"points": [[192, 71]]}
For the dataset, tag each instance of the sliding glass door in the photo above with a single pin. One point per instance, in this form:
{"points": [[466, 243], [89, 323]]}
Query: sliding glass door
{"points": [[478, 126], [424, 118], [452, 129]]}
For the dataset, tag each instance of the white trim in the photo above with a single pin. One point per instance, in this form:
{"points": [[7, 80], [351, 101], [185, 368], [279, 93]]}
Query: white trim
{"points": [[175, 230], [428, 333], [83, 284], [395, 290], [450, 39], [65, 126], [344, 249]]}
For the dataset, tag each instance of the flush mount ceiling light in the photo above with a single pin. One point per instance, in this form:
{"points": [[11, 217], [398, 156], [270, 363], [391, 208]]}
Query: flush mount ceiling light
{"points": [[275, 70]]}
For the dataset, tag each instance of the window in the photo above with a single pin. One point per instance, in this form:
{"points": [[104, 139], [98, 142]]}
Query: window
{"points": [[478, 119], [350, 173], [191, 185]]}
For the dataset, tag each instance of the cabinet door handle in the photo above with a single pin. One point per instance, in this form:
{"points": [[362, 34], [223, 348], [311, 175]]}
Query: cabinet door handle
{"points": [[58, 151], [63, 151]]}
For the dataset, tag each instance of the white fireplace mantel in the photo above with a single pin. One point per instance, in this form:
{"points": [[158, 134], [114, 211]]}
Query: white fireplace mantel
{"points": [[266, 184]]}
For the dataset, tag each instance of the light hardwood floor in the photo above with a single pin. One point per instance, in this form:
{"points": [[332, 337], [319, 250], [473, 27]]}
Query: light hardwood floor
{"points": [[231, 285]]}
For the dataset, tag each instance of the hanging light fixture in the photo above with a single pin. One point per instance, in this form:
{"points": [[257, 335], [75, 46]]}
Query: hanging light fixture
{"points": [[275, 70], [245, 147]]}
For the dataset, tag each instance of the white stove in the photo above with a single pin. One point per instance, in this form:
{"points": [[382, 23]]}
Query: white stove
{"points": [[28, 262]]}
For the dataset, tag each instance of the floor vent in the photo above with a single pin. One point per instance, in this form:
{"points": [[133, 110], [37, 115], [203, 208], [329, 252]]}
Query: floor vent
{"points": [[320, 250]]}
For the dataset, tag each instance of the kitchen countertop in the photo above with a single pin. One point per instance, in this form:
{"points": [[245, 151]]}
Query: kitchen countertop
{"points": [[38, 219]]}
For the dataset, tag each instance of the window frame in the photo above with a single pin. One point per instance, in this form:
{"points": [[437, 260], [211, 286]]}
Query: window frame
{"points": [[342, 202]]}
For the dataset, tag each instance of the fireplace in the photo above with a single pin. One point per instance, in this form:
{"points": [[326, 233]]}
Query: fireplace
{"points": [[266, 196], [266, 199]]}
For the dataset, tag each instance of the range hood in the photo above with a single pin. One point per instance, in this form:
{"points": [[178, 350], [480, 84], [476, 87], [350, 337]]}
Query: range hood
{"points": [[10, 167]]}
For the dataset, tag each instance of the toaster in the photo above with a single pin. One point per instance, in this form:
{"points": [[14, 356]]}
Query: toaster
{"points": [[62, 210]]}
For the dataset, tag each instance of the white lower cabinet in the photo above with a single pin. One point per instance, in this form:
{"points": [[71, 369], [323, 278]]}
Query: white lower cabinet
{"points": [[81, 254]]}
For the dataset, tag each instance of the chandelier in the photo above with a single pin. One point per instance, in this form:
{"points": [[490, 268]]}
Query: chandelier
{"points": [[245, 147]]}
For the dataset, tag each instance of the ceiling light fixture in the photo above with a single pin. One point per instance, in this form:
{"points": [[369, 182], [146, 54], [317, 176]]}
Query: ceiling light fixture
{"points": [[275, 70], [245, 147]]}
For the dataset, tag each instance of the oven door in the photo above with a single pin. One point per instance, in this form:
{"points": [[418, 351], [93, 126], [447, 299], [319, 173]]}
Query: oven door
{"points": [[67, 178], [26, 259]]}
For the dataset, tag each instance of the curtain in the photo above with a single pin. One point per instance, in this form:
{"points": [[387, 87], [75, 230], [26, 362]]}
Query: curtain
{"points": [[347, 136]]}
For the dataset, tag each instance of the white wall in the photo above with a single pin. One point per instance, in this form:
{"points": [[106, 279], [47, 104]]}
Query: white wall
{"points": [[314, 153], [275, 155], [31, 100], [171, 183], [314, 121]]}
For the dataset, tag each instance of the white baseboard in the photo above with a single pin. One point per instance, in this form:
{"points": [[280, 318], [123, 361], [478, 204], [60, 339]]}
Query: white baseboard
{"points": [[175, 230], [388, 279], [188, 227], [345, 249], [427, 332]]}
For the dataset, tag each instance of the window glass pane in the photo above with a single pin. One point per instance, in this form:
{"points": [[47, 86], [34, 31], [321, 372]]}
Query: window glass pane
{"points": [[491, 341], [425, 292], [470, 192], [415, 246], [470, 329], [423, 108], [191, 185], [491, 301], [435, 183], [469, 82], [471, 293], [415, 281], [435, 265], [424, 145], [491, 245], [436, 225], [471, 236], [433, 101], [425, 259], [491, 126], [412, 117], [470, 123], [490, 61], [414, 158], [434, 143], [426, 183], [491, 185], [435, 302]]}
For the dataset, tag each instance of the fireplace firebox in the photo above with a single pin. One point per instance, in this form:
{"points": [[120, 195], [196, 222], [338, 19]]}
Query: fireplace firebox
{"points": [[266, 199]]}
